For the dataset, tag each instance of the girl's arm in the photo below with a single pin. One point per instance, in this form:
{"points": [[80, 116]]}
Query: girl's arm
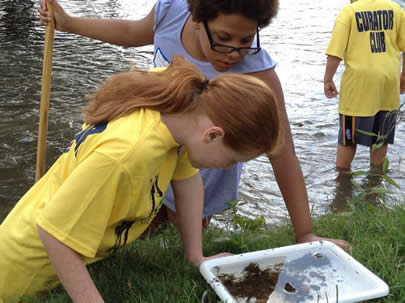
{"points": [[114, 31], [189, 201], [71, 269], [287, 170]]}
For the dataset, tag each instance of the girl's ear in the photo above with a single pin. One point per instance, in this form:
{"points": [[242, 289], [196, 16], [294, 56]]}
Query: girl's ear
{"points": [[213, 133]]}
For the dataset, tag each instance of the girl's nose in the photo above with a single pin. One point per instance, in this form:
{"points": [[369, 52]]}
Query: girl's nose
{"points": [[235, 55]]}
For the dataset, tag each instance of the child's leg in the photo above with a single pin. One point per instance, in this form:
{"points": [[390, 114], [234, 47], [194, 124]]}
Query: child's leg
{"points": [[344, 190], [384, 125], [350, 134], [377, 157], [346, 148], [344, 156]]}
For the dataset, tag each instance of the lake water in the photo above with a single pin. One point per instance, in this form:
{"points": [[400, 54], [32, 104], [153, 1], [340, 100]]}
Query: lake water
{"points": [[296, 39]]}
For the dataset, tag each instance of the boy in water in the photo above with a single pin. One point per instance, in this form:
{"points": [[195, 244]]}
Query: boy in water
{"points": [[216, 36], [369, 36]]}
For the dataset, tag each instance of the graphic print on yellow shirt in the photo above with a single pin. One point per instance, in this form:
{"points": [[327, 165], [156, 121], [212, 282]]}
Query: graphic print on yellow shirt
{"points": [[375, 22], [122, 230], [369, 36]]}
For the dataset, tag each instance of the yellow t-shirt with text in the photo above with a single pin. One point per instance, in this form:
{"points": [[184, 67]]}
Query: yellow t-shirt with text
{"points": [[369, 36]]}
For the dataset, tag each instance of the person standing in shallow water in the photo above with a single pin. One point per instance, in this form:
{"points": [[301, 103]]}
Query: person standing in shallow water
{"points": [[218, 37], [142, 131], [369, 36]]}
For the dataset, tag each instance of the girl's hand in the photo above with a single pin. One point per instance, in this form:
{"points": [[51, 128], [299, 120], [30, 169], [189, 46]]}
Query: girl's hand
{"points": [[197, 262], [330, 89], [61, 18], [310, 237], [224, 254]]}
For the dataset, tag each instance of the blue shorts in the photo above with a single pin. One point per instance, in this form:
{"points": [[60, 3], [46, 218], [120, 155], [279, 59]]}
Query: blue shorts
{"points": [[383, 124]]}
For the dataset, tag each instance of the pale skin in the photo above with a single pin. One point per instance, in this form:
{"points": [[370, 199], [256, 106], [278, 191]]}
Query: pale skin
{"points": [[234, 30], [346, 153], [70, 269]]}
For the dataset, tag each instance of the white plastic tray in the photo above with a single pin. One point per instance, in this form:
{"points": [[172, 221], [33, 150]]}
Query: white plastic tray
{"points": [[319, 272]]}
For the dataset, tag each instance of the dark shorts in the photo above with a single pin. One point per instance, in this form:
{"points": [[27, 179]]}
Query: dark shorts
{"points": [[382, 124]]}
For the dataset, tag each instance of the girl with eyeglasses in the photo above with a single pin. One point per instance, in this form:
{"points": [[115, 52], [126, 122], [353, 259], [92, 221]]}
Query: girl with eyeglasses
{"points": [[218, 36]]}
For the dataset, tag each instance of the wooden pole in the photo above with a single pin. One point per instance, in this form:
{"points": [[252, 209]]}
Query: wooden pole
{"points": [[45, 96]]}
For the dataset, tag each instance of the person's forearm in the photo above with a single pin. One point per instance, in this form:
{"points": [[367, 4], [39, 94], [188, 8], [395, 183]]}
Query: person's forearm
{"points": [[331, 67], [190, 227], [189, 209], [112, 31], [290, 180], [286, 167], [71, 270], [115, 31]]}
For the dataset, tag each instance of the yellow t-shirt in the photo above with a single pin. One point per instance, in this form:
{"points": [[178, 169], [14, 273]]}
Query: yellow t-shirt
{"points": [[369, 35], [99, 195]]}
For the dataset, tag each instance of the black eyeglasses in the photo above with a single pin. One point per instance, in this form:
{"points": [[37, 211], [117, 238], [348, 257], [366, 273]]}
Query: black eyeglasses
{"points": [[226, 49]]}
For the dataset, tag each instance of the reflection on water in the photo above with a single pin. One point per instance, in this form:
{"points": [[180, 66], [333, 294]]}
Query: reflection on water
{"points": [[296, 39], [79, 65]]}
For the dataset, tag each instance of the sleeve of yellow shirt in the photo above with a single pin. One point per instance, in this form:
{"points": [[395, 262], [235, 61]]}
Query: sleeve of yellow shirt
{"points": [[184, 169], [79, 212], [338, 44]]}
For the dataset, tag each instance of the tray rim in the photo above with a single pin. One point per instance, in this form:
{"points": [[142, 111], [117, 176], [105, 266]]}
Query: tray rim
{"points": [[206, 269]]}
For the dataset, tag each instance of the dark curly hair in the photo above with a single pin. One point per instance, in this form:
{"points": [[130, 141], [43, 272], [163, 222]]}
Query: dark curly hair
{"points": [[261, 10]]}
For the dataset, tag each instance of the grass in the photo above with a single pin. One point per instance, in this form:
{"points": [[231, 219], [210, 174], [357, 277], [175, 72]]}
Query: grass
{"points": [[147, 272]]}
